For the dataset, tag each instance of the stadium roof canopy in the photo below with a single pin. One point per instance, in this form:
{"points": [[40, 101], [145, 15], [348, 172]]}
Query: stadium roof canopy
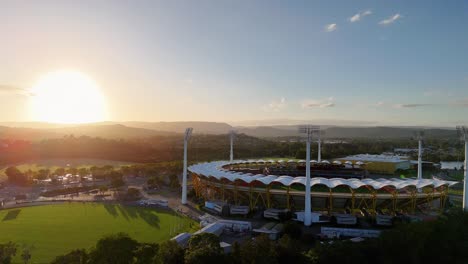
{"points": [[216, 170]]}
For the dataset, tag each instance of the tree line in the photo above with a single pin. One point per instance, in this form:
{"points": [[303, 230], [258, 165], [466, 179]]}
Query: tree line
{"points": [[208, 147], [159, 174]]}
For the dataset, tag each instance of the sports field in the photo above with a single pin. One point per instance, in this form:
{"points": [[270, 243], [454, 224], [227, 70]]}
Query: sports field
{"points": [[52, 230]]}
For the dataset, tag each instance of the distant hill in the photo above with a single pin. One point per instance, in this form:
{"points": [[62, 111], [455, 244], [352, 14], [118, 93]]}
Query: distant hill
{"points": [[116, 131], [133, 129], [125, 130], [268, 132], [104, 131], [349, 132], [179, 127], [45, 125], [387, 132], [31, 134], [175, 127]]}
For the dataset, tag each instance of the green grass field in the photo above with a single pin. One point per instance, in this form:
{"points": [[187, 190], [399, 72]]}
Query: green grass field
{"points": [[53, 164], [52, 230]]}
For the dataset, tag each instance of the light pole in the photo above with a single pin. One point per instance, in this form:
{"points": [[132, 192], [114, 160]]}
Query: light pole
{"points": [[420, 136], [308, 130], [463, 133], [232, 134], [319, 141], [188, 133]]}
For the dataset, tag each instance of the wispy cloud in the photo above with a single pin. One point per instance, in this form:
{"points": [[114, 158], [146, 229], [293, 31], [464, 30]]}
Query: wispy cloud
{"points": [[275, 105], [331, 27], [390, 20], [359, 16], [438, 93], [323, 103], [429, 93], [411, 105], [11, 89], [462, 102], [371, 104]]}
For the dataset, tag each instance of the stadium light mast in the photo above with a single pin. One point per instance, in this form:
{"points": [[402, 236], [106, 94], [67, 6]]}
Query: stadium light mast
{"points": [[420, 136], [232, 134], [463, 133], [319, 141], [188, 133], [309, 131]]}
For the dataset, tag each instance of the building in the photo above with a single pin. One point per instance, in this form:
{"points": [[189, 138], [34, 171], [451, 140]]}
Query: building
{"points": [[380, 164], [218, 181]]}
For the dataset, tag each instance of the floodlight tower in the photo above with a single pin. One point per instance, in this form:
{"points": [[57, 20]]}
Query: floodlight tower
{"points": [[319, 141], [463, 133], [232, 134], [309, 131], [188, 133], [419, 137]]}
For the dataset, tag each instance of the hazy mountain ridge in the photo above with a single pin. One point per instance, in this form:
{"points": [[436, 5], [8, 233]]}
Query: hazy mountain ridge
{"points": [[127, 130], [20, 133], [104, 131], [350, 132], [110, 131], [199, 127]]}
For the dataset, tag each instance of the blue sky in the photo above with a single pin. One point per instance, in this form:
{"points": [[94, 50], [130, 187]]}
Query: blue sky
{"points": [[394, 62]]}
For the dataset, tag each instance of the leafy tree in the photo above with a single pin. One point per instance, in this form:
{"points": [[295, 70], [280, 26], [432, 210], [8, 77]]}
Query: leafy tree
{"points": [[116, 183], [293, 230], [441, 241], [126, 170], [235, 252], [203, 248], [83, 171], [16, 176], [145, 253], [349, 252], [133, 193], [77, 256], [114, 249], [94, 170], [108, 168], [155, 181], [174, 181], [289, 250], [72, 170], [42, 174], [26, 254], [259, 251], [169, 252], [59, 171], [7, 252]]}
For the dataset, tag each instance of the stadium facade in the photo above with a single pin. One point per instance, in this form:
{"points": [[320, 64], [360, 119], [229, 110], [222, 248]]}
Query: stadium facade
{"points": [[334, 186]]}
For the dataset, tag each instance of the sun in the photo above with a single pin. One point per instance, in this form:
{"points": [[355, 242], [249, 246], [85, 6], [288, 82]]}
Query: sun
{"points": [[67, 97]]}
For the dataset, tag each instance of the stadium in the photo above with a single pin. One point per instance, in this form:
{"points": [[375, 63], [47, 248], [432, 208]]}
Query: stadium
{"points": [[335, 186]]}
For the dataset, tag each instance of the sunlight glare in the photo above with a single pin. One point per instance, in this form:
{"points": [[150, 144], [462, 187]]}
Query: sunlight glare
{"points": [[67, 97]]}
